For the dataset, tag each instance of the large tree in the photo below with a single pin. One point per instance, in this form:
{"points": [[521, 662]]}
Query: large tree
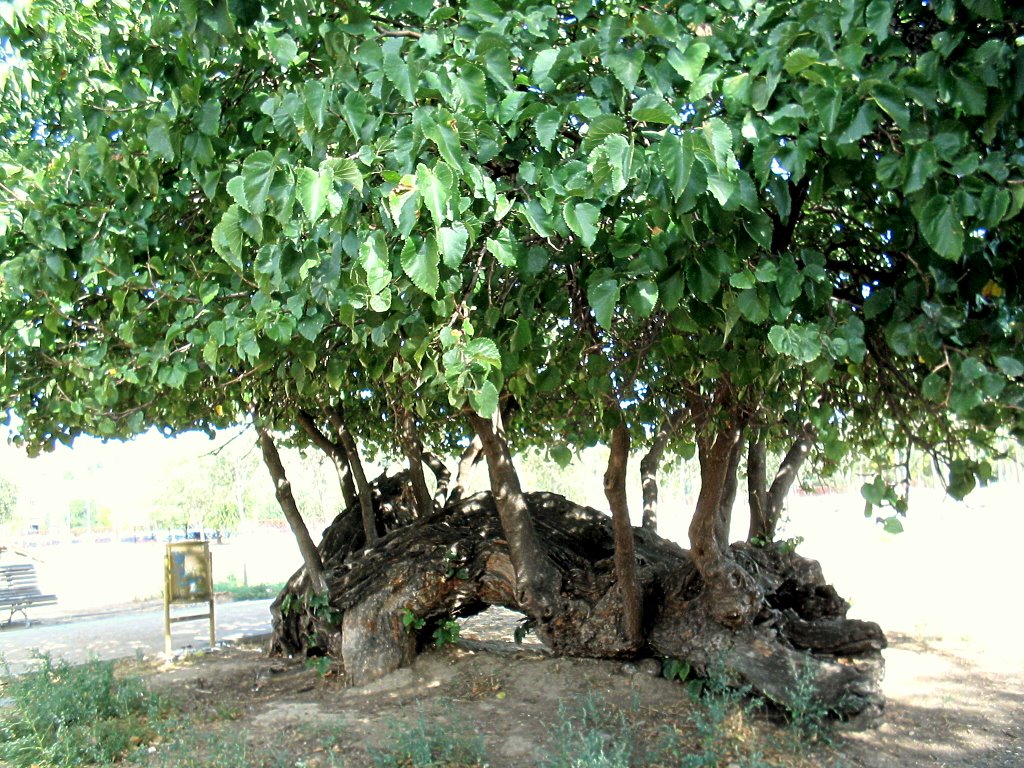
{"points": [[727, 228]]}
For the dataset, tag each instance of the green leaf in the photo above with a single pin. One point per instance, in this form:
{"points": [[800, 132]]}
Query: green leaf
{"points": [[547, 125], [484, 400], [283, 48], [345, 170], [719, 138], [940, 224], [861, 125], [1011, 366], [892, 525], [435, 187], [258, 175], [227, 238], [626, 66], [582, 219], [420, 265], [676, 157], [452, 242], [542, 64], [158, 138], [893, 103], [690, 62], [503, 248], [878, 15], [396, 69], [651, 108], [600, 128], [874, 492], [603, 296], [208, 118], [753, 305], [561, 455], [643, 297], [800, 59], [312, 188]]}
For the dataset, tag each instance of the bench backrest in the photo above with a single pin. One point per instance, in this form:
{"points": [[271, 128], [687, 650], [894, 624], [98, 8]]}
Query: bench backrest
{"points": [[18, 578]]}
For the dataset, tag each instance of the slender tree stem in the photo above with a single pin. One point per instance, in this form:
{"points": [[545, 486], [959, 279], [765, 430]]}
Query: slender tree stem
{"points": [[283, 492], [336, 416], [537, 579], [625, 555]]}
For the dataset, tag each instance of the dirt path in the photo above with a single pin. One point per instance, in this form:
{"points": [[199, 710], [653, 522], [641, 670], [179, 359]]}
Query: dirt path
{"points": [[948, 707], [128, 634]]}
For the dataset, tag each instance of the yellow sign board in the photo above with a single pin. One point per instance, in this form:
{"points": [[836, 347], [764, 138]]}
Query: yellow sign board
{"points": [[188, 578]]}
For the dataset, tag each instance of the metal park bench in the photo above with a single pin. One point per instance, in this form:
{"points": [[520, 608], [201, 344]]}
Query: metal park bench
{"points": [[19, 590]]}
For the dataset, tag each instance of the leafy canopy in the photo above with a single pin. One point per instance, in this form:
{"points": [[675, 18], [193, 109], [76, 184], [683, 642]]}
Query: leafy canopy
{"points": [[786, 211]]}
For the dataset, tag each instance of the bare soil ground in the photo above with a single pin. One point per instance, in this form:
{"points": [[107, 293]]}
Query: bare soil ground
{"points": [[944, 709]]}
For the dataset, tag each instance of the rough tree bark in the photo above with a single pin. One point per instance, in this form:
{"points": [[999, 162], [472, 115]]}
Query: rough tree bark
{"points": [[335, 452], [336, 415], [757, 488], [283, 492], [650, 464], [459, 563], [729, 487], [473, 453], [441, 474], [413, 450], [766, 503], [730, 596], [625, 555], [537, 581]]}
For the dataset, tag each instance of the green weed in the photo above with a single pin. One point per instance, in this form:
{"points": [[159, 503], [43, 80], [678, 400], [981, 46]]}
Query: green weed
{"points": [[63, 715], [595, 736], [808, 717], [427, 745], [186, 747]]}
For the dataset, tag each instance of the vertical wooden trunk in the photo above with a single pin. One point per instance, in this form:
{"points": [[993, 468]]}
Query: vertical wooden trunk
{"points": [[649, 466], [766, 503], [413, 451], [757, 491], [625, 556], [283, 492], [730, 597], [729, 487], [336, 415], [538, 582]]}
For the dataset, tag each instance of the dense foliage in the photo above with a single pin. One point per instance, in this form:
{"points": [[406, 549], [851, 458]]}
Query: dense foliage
{"points": [[762, 215]]}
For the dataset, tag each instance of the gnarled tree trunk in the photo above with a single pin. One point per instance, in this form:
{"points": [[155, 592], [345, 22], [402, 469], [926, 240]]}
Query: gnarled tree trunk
{"points": [[459, 563], [730, 596]]}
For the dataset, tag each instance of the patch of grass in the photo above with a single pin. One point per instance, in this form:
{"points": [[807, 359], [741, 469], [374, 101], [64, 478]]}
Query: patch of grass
{"points": [[719, 729], [63, 715], [185, 747], [247, 591], [595, 736], [422, 744]]}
